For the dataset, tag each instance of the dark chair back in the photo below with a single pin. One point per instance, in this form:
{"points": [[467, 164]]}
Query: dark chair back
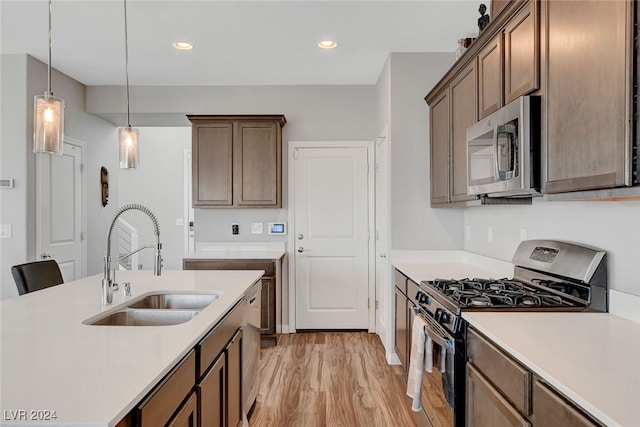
{"points": [[33, 276]]}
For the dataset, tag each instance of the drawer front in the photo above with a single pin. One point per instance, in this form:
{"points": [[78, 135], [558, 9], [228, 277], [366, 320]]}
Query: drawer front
{"points": [[400, 280], [550, 409], [217, 339], [412, 291], [231, 264], [513, 380], [158, 408]]}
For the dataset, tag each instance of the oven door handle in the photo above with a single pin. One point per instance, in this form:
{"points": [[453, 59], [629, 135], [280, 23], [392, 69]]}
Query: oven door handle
{"points": [[438, 334]]}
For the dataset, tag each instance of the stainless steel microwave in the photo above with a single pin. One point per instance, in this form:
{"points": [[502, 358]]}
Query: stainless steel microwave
{"points": [[503, 151]]}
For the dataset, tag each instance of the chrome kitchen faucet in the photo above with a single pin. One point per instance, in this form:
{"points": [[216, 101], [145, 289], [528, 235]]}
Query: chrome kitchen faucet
{"points": [[108, 284]]}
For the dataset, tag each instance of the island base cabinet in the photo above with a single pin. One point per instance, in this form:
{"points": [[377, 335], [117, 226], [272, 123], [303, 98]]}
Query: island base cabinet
{"points": [[549, 409], [234, 380], [212, 395], [187, 416], [485, 405], [166, 400]]}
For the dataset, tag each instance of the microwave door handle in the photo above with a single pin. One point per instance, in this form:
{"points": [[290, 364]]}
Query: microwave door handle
{"points": [[508, 129]]}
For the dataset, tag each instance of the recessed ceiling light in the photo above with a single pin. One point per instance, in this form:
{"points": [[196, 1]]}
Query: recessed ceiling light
{"points": [[327, 44], [183, 45]]}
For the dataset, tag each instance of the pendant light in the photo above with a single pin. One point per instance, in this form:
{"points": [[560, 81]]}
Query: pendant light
{"points": [[128, 135], [48, 115]]}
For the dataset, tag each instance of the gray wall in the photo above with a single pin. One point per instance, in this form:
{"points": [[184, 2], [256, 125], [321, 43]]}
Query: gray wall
{"points": [[414, 224], [23, 77], [612, 226], [312, 112], [158, 184]]}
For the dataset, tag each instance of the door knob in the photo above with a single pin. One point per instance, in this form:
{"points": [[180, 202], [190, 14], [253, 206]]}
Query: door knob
{"points": [[300, 249], [300, 236], [46, 255]]}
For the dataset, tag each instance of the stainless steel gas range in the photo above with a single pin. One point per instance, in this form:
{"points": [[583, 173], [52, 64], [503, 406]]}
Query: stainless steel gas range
{"points": [[548, 276]]}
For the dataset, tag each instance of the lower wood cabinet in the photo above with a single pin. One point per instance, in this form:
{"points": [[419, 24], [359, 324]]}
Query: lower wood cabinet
{"points": [[268, 295], [212, 394], [205, 388], [486, 406], [501, 392], [187, 416]]}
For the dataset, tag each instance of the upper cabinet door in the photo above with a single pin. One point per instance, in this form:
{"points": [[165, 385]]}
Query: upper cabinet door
{"points": [[464, 113], [588, 86], [212, 156], [490, 73], [522, 53], [439, 148], [237, 161], [257, 164]]}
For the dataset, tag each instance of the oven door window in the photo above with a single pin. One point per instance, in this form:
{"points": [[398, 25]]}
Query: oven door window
{"points": [[481, 160]]}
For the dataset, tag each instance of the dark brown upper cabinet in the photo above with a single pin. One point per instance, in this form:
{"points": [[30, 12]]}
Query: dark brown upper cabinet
{"points": [[237, 161]]}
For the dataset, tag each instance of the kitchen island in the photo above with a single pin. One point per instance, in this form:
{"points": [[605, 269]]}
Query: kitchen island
{"points": [[95, 375]]}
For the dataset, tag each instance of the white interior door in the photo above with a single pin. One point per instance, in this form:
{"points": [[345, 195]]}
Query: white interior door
{"points": [[331, 196], [60, 200]]}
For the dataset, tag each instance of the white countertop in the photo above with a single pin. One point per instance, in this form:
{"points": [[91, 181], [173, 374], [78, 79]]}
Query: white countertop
{"points": [[592, 358], [429, 265], [94, 375], [237, 250]]}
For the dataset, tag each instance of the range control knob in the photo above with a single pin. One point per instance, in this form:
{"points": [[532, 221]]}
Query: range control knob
{"points": [[444, 317], [422, 298]]}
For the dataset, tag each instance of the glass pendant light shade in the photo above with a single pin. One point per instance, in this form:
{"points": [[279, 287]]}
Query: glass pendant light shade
{"points": [[128, 147], [48, 126]]}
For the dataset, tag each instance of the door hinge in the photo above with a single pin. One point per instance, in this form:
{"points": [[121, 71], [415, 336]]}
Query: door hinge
{"points": [[295, 153], [377, 304], [82, 236], [81, 167], [368, 302], [377, 167]]}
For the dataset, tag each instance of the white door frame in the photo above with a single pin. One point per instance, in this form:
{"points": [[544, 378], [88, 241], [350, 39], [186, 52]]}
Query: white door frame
{"points": [[369, 145], [189, 238], [83, 207]]}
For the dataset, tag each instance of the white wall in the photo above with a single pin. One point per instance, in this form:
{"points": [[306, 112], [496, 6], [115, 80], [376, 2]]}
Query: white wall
{"points": [[611, 226], [158, 184], [23, 77], [414, 224]]}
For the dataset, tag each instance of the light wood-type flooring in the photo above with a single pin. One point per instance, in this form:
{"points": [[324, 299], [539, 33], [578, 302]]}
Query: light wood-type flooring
{"points": [[333, 379]]}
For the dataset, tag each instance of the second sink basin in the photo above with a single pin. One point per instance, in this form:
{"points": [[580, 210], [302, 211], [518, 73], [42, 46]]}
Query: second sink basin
{"points": [[175, 301], [145, 318]]}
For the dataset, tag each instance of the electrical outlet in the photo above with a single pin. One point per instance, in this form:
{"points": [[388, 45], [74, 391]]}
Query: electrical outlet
{"points": [[5, 231], [235, 229], [523, 234], [490, 234], [256, 228], [467, 232], [179, 222]]}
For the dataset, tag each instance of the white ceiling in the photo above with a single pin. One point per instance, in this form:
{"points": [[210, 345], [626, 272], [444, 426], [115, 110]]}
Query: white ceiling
{"points": [[236, 42]]}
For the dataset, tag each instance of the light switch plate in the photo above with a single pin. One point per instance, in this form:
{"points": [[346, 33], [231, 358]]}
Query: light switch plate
{"points": [[256, 228], [5, 231]]}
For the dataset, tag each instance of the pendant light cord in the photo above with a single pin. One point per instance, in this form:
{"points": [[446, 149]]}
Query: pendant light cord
{"points": [[49, 66], [126, 59]]}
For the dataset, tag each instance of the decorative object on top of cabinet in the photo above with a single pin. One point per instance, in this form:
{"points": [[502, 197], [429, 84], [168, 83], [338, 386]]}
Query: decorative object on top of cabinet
{"points": [[589, 95], [237, 161], [483, 21]]}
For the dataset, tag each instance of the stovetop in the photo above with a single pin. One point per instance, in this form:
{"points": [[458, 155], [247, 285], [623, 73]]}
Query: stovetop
{"points": [[478, 293]]}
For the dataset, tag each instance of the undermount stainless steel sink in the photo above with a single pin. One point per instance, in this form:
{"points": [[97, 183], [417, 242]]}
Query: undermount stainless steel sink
{"points": [[175, 301], [157, 309], [128, 317]]}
